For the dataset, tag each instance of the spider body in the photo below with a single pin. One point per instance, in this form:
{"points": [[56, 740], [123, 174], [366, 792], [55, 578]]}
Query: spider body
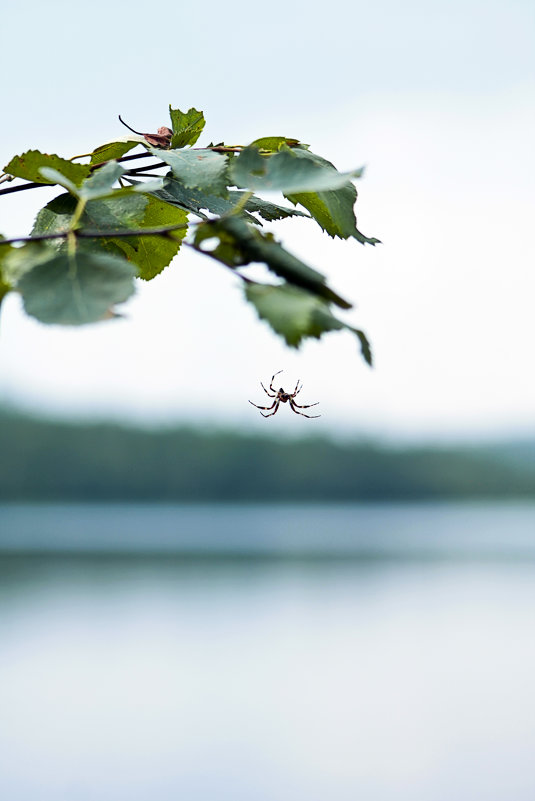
{"points": [[280, 396]]}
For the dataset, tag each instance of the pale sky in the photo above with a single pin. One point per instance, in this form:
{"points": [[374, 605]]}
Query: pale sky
{"points": [[435, 99]]}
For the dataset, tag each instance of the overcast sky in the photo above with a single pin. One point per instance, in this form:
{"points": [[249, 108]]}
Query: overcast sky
{"points": [[435, 99]]}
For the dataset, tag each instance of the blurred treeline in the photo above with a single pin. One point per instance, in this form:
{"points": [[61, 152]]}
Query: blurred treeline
{"points": [[47, 460]]}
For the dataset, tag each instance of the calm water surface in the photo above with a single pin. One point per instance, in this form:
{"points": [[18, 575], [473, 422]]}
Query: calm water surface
{"points": [[136, 663]]}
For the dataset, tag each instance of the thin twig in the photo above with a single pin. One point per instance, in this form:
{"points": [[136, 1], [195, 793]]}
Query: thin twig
{"points": [[85, 234], [38, 238], [22, 188], [143, 175], [140, 232], [212, 256], [141, 170], [122, 158]]}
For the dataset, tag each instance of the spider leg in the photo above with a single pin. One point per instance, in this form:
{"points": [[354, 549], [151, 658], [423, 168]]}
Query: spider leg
{"points": [[293, 405], [272, 388], [297, 389], [267, 408], [265, 390], [275, 410], [306, 405]]}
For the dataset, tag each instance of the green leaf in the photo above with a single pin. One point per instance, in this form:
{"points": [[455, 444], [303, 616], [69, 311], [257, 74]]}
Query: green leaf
{"points": [[285, 172], [5, 250], [151, 254], [55, 177], [194, 200], [18, 261], [239, 244], [296, 314], [187, 126], [332, 209], [29, 164], [4, 289], [200, 169], [5, 285], [119, 212], [268, 211], [55, 218], [78, 288], [287, 309], [191, 199], [100, 182], [113, 150], [274, 143], [112, 214], [325, 321]]}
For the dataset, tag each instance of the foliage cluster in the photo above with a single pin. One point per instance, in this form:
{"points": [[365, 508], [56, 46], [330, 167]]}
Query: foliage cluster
{"points": [[114, 222]]}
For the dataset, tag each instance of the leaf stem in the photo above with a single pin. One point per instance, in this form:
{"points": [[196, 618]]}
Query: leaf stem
{"points": [[242, 202], [79, 210], [71, 250], [138, 133]]}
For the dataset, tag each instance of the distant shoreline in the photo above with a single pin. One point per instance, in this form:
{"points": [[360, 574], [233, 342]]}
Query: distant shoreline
{"points": [[47, 461]]}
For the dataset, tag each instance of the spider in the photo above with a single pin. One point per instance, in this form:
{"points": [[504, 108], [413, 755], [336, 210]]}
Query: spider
{"points": [[283, 397]]}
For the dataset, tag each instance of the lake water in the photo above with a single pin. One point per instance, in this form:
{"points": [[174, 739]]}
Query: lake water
{"points": [[267, 653]]}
